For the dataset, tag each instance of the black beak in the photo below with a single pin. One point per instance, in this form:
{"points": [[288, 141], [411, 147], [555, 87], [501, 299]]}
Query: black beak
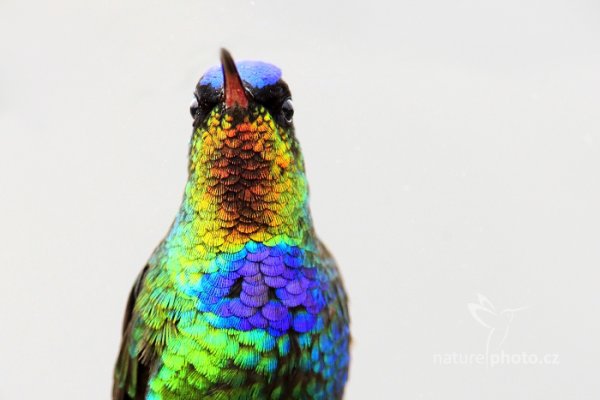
{"points": [[235, 94]]}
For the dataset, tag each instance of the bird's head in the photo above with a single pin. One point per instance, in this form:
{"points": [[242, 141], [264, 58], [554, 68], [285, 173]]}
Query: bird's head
{"points": [[240, 90], [239, 104], [245, 161]]}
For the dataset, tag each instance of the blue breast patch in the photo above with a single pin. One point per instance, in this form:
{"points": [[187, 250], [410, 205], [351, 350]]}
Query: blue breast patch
{"points": [[262, 287]]}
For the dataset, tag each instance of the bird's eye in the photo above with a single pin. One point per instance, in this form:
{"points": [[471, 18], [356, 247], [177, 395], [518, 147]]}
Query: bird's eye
{"points": [[287, 109], [194, 107]]}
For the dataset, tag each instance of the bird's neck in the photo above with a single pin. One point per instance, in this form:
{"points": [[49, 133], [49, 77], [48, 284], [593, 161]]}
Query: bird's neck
{"points": [[230, 202]]}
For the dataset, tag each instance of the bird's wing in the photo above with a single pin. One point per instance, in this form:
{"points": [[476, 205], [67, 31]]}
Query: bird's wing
{"points": [[337, 320], [131, 374]]}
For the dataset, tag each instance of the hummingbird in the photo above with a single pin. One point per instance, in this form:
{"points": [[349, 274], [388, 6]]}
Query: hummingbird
{"points": [[240, 300]]}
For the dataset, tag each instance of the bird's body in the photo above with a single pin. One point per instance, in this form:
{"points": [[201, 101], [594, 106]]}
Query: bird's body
{"points": [[240, 300]]}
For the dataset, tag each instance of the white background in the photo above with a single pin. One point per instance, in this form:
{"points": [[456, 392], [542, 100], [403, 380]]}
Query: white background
{"points": [[453, 148]]}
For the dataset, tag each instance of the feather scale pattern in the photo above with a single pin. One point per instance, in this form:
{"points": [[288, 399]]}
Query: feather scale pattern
{"points": [[240, 300]]}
